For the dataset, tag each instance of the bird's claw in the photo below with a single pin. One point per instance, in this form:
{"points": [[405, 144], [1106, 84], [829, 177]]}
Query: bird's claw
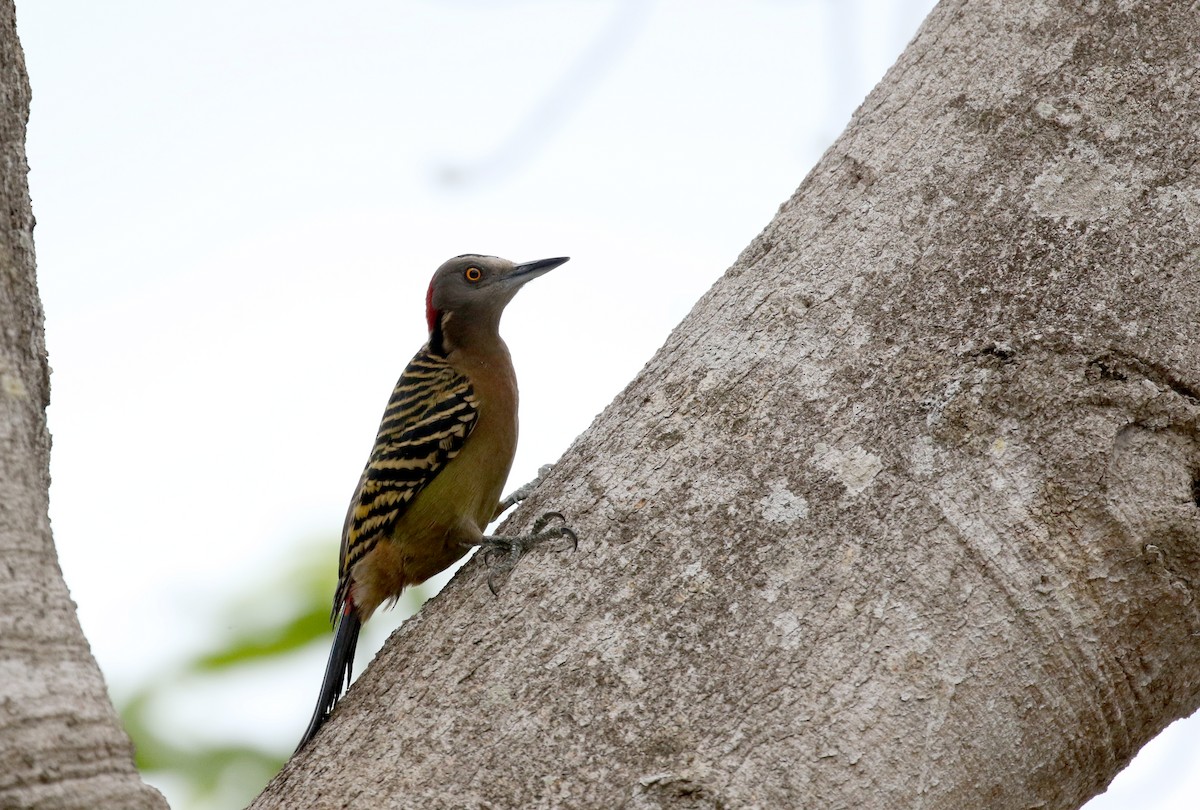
{"points": [[541, 533], [501, 554], [545, 519]]}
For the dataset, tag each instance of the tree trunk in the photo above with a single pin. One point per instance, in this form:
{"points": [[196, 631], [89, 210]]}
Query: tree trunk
{"points": [[61, 744], [905, 513]]}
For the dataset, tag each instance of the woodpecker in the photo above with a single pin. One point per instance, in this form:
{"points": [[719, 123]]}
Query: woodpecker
{"points": [[445, 445]]}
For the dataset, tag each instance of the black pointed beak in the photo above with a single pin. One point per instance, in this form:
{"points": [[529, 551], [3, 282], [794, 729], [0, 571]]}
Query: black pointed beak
{"points": [[531, 270]]}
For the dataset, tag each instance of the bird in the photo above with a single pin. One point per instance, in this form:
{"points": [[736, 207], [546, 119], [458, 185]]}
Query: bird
{"points": [[442, 454]]}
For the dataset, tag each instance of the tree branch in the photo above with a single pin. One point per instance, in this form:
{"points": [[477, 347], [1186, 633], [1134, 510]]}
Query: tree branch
{"points": [[61, 744], [903, 513]]}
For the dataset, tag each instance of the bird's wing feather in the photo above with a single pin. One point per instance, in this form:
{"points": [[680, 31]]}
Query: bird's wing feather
{"points": [[431, 413]]}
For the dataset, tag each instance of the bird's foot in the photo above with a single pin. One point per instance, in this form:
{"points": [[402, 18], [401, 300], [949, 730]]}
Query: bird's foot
{"points": [[502, 553], [522, 492]]}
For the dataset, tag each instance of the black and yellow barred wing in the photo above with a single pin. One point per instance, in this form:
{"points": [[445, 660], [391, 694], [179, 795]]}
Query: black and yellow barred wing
{"points": [[431, 413]]}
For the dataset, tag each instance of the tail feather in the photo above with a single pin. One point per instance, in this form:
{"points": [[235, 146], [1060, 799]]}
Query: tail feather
{"points": [[337, 671]]}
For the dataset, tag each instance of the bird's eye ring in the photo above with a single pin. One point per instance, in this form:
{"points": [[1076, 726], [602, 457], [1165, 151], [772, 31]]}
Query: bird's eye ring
{"points": [[473, 274]]}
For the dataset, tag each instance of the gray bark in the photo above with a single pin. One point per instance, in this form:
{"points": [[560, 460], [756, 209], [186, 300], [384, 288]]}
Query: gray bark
{"points": [[904, 514], [61, 743]]}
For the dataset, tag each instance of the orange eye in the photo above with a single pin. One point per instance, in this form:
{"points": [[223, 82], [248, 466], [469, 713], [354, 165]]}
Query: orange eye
{"points": [[473, 274]]}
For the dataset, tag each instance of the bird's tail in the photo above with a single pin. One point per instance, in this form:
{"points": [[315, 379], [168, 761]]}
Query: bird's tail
{"points": [[337, 671]]}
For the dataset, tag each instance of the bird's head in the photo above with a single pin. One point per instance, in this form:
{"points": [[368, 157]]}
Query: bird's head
{"points": [[479, 287]]}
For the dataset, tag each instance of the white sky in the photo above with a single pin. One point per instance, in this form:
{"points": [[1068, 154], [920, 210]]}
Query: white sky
{"points": [[240, 204]]}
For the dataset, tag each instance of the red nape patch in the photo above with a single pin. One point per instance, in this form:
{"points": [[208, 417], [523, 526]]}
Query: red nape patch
{"points": [[431, 314]]}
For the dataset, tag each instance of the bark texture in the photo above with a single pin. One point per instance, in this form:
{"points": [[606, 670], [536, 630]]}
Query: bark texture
{"points": [[904, 514], [61, 744]]}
